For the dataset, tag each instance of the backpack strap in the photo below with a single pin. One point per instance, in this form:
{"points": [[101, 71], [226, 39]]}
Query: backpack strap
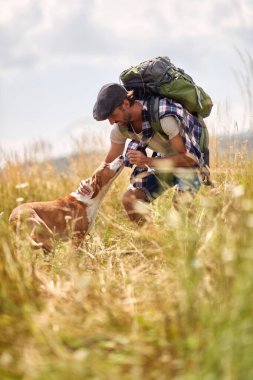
{"points": [[204, 140], [153, 110], [124, 131]]}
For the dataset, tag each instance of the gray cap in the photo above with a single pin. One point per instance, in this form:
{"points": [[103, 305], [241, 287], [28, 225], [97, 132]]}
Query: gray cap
{"points": [[109, 97]]}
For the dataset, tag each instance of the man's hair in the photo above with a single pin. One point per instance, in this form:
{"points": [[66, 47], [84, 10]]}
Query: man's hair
{"points": [[131, 97]]}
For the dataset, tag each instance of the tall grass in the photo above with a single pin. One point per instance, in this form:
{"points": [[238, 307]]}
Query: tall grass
{"points": [[174, 302]]}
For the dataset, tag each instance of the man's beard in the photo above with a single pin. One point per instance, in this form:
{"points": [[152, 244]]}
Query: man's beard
{"points": [[123, 124], [127, 119]]}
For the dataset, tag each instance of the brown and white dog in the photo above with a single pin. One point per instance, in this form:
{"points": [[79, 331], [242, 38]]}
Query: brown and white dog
{"points": [[71, 216]]}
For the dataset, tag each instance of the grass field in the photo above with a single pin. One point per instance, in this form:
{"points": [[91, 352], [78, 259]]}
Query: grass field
{"points": [[134, 304]]}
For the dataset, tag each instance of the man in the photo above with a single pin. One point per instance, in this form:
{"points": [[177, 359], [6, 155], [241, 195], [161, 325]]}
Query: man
{"points": [[177, 148]]}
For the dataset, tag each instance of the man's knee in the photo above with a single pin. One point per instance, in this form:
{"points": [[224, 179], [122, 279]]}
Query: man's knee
{"points": [[131, 196], [128, 199], [134, 202]]}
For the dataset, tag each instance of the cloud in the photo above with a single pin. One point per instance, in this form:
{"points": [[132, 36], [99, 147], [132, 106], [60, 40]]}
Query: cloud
{"points": [[41, 33]]}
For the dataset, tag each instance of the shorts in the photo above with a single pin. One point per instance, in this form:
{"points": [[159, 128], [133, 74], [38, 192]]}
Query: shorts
{"points": [[154, 184]]}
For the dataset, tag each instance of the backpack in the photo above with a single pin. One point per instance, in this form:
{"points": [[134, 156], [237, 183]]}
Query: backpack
{"points": [[158, 76]]}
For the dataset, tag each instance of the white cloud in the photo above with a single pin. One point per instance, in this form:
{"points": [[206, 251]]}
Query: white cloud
{"points": [[10, 10], [47, 32], [195, 18]]}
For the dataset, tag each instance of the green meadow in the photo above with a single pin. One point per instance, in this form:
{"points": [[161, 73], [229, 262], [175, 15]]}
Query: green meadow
{"points": [[171, 302]]}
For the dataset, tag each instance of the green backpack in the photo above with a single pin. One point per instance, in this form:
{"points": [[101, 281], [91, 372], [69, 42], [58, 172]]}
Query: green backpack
{"points": [[159, 76]]}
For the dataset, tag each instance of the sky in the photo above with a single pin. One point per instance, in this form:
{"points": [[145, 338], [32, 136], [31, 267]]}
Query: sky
{"points": [[56, 55]]}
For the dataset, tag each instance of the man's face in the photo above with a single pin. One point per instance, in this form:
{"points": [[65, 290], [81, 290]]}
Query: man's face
{"points": [[120, 115]]}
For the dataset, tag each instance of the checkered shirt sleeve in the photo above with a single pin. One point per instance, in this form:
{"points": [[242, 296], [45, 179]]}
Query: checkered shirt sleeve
{"points": [[189, 127]]}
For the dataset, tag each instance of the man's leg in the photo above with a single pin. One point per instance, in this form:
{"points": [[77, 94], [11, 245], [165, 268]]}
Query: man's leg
{"points": [[134, 201], [141, 192]]}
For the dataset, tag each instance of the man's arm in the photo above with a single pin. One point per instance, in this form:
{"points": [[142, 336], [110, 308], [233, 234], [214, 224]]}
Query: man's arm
{"points": [[176, 160], [114, 151], [179, 159]]}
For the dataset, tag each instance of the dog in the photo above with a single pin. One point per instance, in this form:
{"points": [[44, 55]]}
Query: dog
{"points": [[72, 216]]}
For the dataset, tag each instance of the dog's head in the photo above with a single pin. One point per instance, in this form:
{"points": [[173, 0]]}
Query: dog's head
{"points": [[106, 174], [100, 181]]}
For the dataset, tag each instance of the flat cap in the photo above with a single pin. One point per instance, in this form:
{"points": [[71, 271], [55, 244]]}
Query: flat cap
{"points": [[109, 97]]}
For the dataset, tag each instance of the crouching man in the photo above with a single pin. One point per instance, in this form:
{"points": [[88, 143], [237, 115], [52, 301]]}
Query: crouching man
{"points": [[176, 158]]}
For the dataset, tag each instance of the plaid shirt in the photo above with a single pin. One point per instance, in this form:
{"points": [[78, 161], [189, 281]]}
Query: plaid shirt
{"points": [[189, 128]]}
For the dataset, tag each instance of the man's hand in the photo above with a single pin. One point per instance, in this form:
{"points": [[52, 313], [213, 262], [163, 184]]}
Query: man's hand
{"points": [[138, 158]]}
